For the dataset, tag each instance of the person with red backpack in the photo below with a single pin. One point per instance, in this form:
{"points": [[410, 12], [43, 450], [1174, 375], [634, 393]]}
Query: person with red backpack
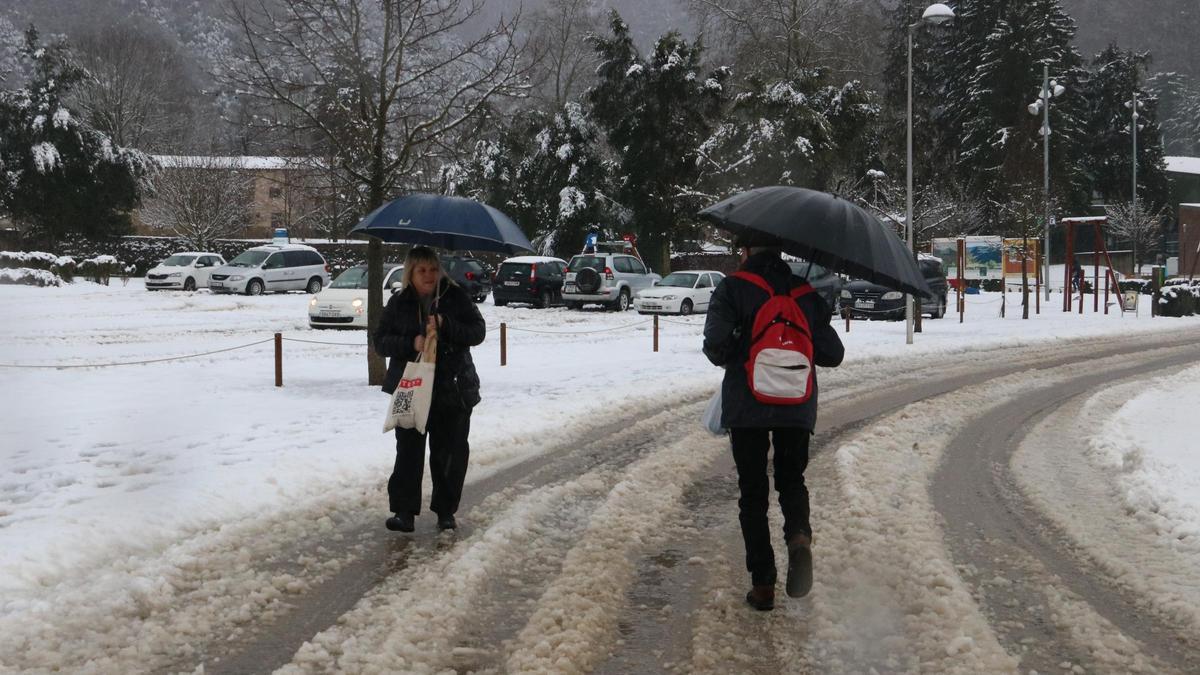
{"points": [[769, 330]]}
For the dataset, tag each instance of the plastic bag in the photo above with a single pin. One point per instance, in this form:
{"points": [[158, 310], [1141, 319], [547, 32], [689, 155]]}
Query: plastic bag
{"points": [[712, 415]]}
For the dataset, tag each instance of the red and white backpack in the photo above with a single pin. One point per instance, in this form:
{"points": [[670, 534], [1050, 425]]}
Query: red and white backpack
{"points": [[780, 366]]}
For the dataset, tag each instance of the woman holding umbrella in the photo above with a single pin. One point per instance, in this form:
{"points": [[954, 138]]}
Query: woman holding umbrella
{"points": [[430, 306]]}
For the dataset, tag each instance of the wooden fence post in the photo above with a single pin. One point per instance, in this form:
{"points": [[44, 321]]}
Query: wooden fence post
{"points": [[279, 359], [655, 333], [503, 343]]}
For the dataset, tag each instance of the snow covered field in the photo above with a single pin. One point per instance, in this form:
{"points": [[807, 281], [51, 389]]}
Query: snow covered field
{"points": [[101, 464]]}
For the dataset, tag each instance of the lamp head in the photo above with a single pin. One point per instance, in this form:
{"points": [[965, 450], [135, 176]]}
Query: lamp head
{"points": [[937, 13], [1034, 108]]}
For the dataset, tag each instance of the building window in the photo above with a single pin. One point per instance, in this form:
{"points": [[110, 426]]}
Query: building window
{"points": [[275, 192], [277, 219]]}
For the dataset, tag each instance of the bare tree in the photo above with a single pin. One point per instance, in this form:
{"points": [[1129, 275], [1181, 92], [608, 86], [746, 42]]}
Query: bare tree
{"points": [[780, 38], [200, 199], [1138, 224], [131, 85], [945, 212], [564, 65], [373, 85]]}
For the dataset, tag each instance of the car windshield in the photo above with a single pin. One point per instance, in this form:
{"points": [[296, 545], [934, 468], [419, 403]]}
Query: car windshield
{"points": [[581, 261], [680, 279], [249, 259], [178, 261], [354, 277]]}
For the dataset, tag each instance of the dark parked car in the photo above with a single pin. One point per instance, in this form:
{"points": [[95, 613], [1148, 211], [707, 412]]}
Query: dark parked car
{"points": [[532, 279], [868, 300], [824, 281], [470, 273]]}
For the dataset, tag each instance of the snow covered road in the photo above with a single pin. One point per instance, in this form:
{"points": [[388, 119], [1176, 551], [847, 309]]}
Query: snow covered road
{"points": [[599, 532]]}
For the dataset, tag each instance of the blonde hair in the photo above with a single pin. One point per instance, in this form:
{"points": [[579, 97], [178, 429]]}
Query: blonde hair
{"points": [[416, 255]]}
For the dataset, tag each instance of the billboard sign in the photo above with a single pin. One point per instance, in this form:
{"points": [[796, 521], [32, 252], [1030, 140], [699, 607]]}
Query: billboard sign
{"points": [[1014, 253], [983, 256]]}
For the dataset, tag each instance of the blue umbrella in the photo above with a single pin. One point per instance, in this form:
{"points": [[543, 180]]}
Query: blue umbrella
{"points": [[452, 223]]}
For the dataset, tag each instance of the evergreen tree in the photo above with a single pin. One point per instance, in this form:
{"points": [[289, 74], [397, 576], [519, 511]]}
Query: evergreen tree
{"points": [[546, 172], [998, 51], [1178, 113], [655, 112], [59, 174], [802, 132], [1118, 74]]}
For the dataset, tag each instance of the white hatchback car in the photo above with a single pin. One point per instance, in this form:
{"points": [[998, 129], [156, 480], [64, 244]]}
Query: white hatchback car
{"points": [[679, 293], [344, 303], [185, 271]]}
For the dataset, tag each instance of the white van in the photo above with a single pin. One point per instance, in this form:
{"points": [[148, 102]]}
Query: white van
{"points": [[274, 268]]}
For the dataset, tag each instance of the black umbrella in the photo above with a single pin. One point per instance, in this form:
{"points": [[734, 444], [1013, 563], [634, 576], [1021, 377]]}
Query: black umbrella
{"points": [[823, 229], [452, 223]]}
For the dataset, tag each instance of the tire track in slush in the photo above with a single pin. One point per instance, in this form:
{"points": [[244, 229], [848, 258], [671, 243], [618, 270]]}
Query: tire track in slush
{"points": [[666, 560], [709, 628], [1023, 565], [378, 556]]}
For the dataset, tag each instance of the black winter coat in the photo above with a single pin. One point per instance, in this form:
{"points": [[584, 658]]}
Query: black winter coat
{"points": [[727, 343], [455, 382]]}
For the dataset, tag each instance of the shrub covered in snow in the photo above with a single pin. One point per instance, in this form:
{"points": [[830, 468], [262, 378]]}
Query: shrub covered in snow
{"points": [[35, 260], [101, 268], [26, 276], [1143, 286], [1178, 301]]}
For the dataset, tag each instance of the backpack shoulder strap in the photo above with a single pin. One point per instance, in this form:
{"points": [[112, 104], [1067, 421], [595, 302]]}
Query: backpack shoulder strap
{"points": [[755, 279], [801, 290]]}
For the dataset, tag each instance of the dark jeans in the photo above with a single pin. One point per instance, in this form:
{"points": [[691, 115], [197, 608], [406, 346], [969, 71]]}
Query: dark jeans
{"points": [[791, 459], [449, 451]]}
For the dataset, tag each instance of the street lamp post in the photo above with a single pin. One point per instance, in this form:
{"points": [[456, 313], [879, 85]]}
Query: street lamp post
{"points": [[1134, 105], [935, 14], [1050, 89]]}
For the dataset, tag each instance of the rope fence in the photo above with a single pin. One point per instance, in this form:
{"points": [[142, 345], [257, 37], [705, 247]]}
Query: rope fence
{"points": [[134, 363], [503, 329]]}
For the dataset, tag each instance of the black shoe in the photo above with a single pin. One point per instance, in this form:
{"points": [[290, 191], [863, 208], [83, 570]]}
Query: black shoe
{"points": [[800, 566], [401, 522], [447, 522], [762, 597]]}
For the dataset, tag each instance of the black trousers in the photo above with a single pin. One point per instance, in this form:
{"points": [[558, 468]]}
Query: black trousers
{"points": [[449, 451], [750, 448]]}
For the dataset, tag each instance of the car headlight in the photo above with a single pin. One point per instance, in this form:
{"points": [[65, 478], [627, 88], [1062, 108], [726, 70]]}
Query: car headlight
{"points": [[313, 302], [356, 303], [174, 275], [669, 297], [236, 277], [847, 294], [893, 295]]}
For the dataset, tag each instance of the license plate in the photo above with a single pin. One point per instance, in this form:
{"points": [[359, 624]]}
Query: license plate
{"points": [[512, 283], [328, 312], [568, 288], [865, 304], [216, 284]]}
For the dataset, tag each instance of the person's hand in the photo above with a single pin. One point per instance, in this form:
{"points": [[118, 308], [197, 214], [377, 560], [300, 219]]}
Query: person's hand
{"points": [[419, 343], [432, 323]]}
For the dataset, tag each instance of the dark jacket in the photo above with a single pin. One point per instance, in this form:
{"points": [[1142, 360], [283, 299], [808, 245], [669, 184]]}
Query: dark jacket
{"points": [[455, 382], [727, 343]]}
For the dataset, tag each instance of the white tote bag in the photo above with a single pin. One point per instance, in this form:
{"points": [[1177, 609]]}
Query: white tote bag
{"points": [[409, 407]]}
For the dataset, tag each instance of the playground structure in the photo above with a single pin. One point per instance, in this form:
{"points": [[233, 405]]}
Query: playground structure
{"points": [[1015, 257]]}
